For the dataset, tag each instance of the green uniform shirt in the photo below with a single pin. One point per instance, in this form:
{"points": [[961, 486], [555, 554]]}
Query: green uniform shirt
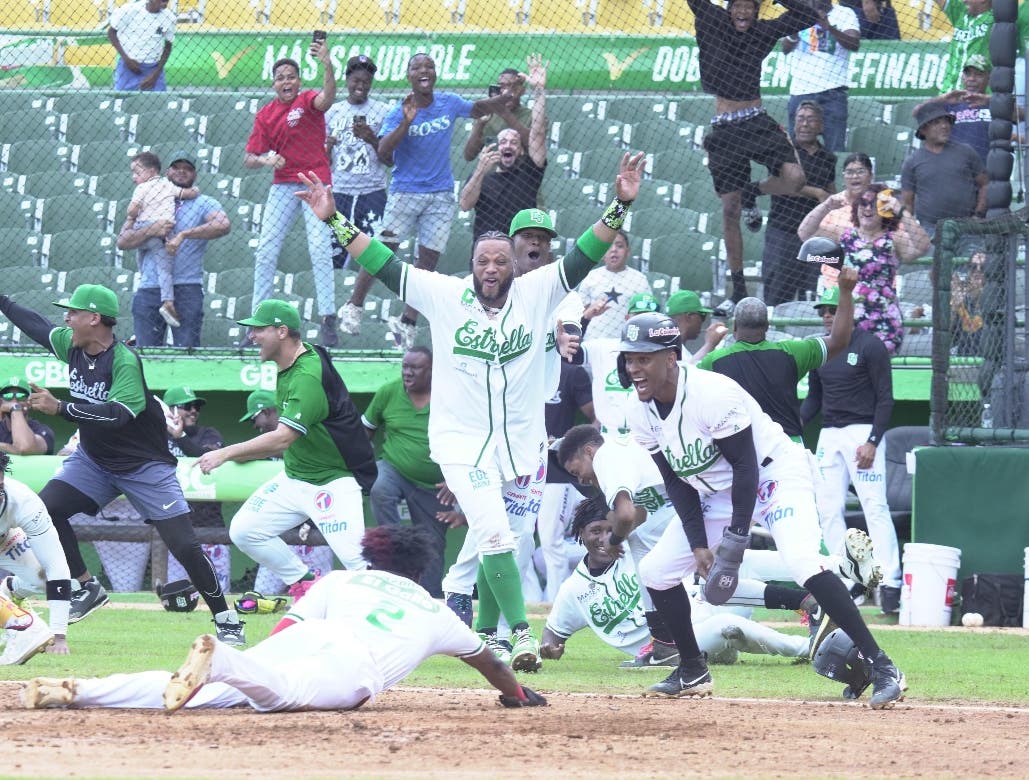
{"points": [[303, 406], [406, 445]]}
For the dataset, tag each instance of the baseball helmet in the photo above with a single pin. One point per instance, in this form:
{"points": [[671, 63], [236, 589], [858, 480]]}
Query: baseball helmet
{"points": [[839, 659], [179, 596], [648, 332], [822, 250]]}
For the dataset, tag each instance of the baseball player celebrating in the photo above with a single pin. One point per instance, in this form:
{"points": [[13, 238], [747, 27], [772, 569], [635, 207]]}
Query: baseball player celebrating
{"points": [[355, 633], [603, 594], [715, 447], [328, 458], [490, 341], [31, 550]]}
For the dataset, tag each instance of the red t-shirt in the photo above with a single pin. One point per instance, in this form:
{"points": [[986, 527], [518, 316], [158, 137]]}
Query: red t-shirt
{"points": [[296, 131]]}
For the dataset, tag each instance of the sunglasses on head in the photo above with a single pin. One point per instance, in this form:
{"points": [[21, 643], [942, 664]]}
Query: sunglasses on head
{"points": [[192, 406]]}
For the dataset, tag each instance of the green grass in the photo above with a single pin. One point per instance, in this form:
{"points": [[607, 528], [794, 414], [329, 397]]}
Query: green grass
{"points": [[941, 666]]}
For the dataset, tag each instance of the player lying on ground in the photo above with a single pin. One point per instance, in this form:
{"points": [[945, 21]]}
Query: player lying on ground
{"points": [[318, 657], [604, 594]]}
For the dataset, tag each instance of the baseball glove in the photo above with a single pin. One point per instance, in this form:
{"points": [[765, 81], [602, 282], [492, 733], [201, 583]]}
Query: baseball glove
{"points": [[253, 603], [179, 596], [532, 699]]}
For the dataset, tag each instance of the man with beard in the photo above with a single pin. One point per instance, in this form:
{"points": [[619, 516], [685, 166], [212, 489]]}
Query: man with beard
{"points": [[506, 180], [733, 44], [415, 139], [487, 431]]}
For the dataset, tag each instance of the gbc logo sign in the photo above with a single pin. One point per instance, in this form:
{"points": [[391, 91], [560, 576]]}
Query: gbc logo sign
{"points": [[262, 375], [47, 373]]}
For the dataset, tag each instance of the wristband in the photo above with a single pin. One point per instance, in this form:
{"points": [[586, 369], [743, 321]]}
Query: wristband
{"points": [[345, 230], [615, 540], [614, 216]]}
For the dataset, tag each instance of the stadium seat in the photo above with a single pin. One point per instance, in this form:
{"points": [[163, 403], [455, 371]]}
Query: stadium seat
{"points": [[658, 135], [30, 156], [42, 302], [23, 124], [14, 102], [654, 222], [654, 193], [900, 114], [255, 187], [81, 127], [210, 103], [885, 144], [147, 102], [571, 108], [239, 307], [559, 193], [228, 127], [688, 256], [117, 279], [91, 101], [684, 165], [10, 336], [633, 109], [696, 110], [102, 157], [48, 185], [219, 333], [228, 160], [16, 210], [71, 212], [231, 282], [458, 253], [572, 222], [660, 285], [19, 246], [374, 335], [586, 134], [598, 164], [71, 249]]}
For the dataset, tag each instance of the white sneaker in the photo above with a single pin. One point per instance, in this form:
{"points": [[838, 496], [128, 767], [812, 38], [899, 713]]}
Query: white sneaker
{"points": [[403, 332], [350, 319], [42, 693], [191, 676], [859, 562], [22, 645]]}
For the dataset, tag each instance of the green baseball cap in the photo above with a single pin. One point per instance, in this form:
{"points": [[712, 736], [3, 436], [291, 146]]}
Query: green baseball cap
{"points": [[643, 302], [273, 312], [979, 62], [181, 155], [532, 218], [179, 396], [685, 302], [92, 297], [257, 402], [830, 297], [16, 387]]}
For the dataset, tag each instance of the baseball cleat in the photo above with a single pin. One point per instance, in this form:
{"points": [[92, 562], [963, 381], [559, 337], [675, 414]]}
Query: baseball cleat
{"points": [[525, 654], [231, 633], [500, 648], [689, 679], [655, 655], [724, 576], [350, 319], [22, 645], [461, 605], [191, 676], [87, 600], [752, 218], [888, 683], [859, 562], [42, 693], [13, 616]]}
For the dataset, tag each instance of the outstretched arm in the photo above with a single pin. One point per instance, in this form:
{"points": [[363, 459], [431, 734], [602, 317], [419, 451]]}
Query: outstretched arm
{"points": [[500, 676], [31, 323]]}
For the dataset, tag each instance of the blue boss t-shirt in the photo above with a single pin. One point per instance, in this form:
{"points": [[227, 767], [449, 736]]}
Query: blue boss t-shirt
{"points": [[422, 160]]}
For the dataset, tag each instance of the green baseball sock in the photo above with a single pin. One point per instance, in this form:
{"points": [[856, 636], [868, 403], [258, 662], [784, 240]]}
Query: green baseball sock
{"points": [[488, 614], [501, 574]]}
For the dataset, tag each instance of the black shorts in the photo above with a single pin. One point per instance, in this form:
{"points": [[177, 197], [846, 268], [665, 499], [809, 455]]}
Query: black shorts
{"points": [[730, 149]]}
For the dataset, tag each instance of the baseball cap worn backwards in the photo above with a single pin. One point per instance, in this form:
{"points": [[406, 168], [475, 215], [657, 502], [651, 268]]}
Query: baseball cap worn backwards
{"points": [[642, 302], [257, 402], [177, 396], [830, 297], [685, 302], [16, 387], [92, 297], [273, 312], [532, 218]]}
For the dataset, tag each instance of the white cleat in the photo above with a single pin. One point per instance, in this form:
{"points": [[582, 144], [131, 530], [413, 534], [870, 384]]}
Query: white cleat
{"points": [[191, 676]]}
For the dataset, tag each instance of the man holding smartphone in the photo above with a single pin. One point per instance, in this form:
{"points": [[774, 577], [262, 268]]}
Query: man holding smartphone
{"points": [[487, 129], [358, 176]]}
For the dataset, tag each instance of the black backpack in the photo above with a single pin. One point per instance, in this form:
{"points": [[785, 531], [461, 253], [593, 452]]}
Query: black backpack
{"points": [[997, 597]]}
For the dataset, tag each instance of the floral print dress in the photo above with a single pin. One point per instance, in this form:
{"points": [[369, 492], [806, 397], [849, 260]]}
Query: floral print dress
{"points": [[875, 294]]}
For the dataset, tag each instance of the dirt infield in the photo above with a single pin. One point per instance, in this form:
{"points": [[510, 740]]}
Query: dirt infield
{"points": [[411, 733]]}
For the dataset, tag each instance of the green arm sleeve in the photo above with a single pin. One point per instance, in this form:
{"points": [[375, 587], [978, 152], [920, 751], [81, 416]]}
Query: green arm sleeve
{"points": [[587, 252]]}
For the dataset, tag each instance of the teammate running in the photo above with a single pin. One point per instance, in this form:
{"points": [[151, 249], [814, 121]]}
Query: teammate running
{"points": [[490, 341]]}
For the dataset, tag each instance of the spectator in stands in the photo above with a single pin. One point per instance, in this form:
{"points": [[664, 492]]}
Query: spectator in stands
{"points": [[733, 44], [854, 393], [857, 176], [19, 434], [688, 314], [196, 222], [970, 106], [289, 137], [605, 292], [188, 439], [819, 59], [486, 129], [784, 278], [966, 307], [415, 138], [506, 179], [882, 235], [877, 18], [406, 472], [972, 21], [141, 33], [358, 176], [942, 179]]}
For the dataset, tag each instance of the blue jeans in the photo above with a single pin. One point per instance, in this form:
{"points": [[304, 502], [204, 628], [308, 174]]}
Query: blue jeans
{"points": [[389, 490], [150, 326], [125, 79], [833, 103], [280, 211]]}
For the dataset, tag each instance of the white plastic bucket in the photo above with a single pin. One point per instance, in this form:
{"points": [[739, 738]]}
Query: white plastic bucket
{"points": [[1025, 593], [930, 582]]}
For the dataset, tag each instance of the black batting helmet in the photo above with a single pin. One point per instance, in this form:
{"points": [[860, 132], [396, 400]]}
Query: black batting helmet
{"points": [[822, 250], [647, 332], [839, 659]]}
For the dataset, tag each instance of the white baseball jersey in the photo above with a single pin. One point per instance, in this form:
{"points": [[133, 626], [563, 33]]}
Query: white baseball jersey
{"points": [[394, 617], [707, 406], [609, 397], [33, 554], [492, 364]]}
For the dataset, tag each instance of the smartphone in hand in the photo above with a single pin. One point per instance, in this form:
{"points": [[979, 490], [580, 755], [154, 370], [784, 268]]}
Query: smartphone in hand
{"points": [[494, 90], [318, 36]]}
